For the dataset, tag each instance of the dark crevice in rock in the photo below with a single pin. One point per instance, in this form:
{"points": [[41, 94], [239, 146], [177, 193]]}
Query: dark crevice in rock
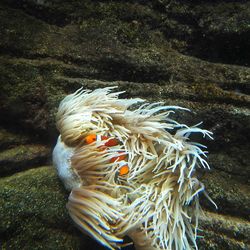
{"points": [[228, 236], [209, 101], [237, 88], [46, 136], [237, 175], [42, 12], [223, 242], [223, 210], [20, 54], [232, 227], [10, 138], [10, 123], [23, 157], [208, 36], [229, 49], [229, 195], [31, 165]]}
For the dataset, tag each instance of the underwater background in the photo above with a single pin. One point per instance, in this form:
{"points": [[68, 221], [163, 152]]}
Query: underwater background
{"points": [[194, 54]]}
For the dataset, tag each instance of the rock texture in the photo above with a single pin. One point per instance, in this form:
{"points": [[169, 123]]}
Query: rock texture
{"points": [[194, 54]]}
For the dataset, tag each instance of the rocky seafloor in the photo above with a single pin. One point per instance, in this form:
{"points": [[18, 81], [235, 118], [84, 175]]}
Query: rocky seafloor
{"points": [[194, 54]]}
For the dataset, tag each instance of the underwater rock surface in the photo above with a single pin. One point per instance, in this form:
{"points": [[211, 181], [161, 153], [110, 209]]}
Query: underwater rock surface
{"points": [[194, 54]]}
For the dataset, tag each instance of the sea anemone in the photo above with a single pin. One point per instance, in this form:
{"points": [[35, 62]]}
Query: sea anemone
{"points": [[130, 171]]}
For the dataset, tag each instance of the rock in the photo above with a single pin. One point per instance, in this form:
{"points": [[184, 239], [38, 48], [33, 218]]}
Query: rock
{"points": [[22, 157], [10, 139], [33, 213], [232, 232], [231, 196], [193, 54]]}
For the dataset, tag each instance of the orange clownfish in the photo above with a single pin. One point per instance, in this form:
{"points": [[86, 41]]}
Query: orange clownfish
{"points": [[124, 169], [118, 158], [93, 137]]}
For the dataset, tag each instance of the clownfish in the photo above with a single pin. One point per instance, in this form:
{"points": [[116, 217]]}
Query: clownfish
{"points": [[124, 169], [93, 137]]}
